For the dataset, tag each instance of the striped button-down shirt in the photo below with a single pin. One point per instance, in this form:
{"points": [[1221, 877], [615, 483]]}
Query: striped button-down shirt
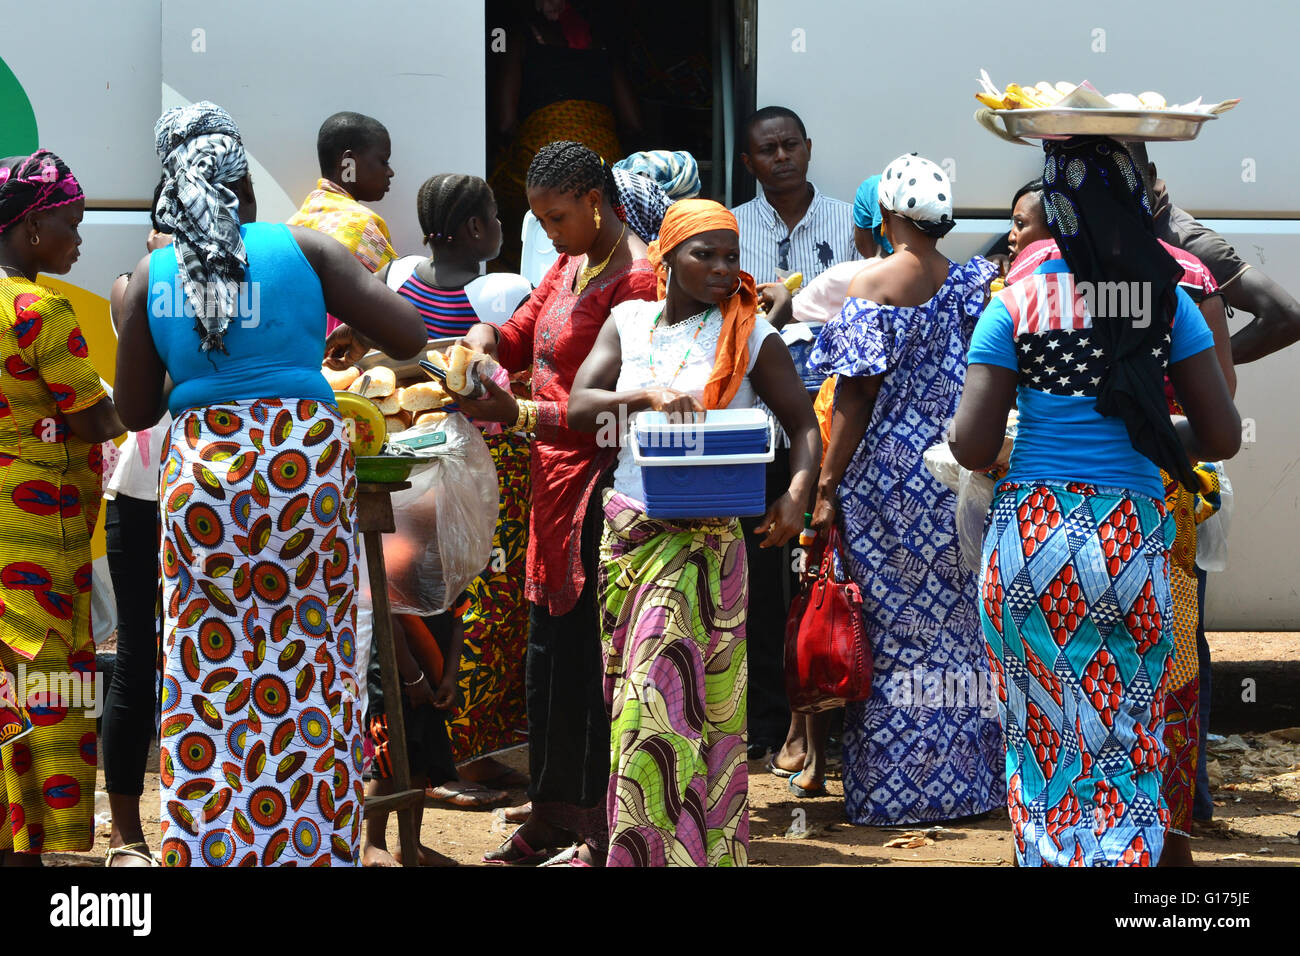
{"points": [[768, 250]]}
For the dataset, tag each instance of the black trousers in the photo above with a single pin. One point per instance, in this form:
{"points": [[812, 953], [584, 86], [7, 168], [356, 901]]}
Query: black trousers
{"points": [[564, 673], [131, 528], [771, 583]]}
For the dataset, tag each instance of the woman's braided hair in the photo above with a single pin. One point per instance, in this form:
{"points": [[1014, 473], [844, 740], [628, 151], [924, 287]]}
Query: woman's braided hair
{"points": [[570, 167], [446, 201]]}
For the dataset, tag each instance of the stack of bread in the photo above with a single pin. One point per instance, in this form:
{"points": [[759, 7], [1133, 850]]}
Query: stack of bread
{"points": [[412, 402]]}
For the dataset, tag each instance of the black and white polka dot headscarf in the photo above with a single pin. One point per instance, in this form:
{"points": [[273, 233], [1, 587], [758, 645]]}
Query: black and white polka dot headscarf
{"points": [[918, 189]]}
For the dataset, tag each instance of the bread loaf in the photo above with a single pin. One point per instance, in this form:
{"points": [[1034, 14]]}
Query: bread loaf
{"points": [[458, 362], [430, 418], [379, 382], [340, 380], [423, 397], [390, 404], [398, 423]]}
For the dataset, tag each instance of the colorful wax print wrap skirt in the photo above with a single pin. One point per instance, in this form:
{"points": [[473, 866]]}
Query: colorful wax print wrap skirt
{"points": [[1077, 614], [492, 716], [672, 598], [261, 727], [1187, 509]]}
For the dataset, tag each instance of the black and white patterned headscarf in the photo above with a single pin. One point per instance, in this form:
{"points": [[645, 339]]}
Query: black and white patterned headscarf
{"points": [[642, 203], [201, 151]]}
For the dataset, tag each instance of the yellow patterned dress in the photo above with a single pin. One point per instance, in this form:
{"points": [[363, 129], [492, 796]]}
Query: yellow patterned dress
{"points": [[50, 483], [1182, 680]]}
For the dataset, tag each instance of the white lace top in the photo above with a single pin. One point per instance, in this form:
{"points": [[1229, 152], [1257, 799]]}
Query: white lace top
{"points": [[635, 319]]}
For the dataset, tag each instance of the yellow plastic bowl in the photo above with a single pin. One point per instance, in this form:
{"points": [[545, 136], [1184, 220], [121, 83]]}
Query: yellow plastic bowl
{"points": [[363, 423]]}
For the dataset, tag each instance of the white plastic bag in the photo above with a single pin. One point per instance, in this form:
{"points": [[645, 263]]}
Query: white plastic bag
{"points": [[445, 522], [974, 498], [1212, 533], [940, 463], [103, 602]]}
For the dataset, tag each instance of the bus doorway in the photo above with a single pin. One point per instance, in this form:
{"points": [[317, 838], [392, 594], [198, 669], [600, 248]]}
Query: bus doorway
{"points": [[619, 78]]}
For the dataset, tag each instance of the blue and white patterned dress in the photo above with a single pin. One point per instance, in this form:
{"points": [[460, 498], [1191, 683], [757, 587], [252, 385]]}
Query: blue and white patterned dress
{"points": [[927, 744]]}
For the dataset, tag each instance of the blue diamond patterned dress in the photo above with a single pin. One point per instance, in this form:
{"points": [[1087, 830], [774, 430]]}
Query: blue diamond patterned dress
{"points": [[927, 744]]}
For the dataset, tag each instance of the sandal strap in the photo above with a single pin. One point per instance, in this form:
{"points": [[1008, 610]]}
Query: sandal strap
{"points": [[139, 850]]}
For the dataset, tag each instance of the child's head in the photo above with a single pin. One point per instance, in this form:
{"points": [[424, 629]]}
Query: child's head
{"points": [[353, 151], [458, 215]]}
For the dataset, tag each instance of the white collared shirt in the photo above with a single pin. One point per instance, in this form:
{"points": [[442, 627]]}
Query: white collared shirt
{"points": [[821, 239]]}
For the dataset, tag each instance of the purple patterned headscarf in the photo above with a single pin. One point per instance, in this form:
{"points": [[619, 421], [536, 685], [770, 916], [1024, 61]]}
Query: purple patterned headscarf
{"points": [[33, 183]]}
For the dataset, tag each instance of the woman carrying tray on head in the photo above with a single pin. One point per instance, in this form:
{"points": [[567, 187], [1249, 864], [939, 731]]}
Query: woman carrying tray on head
{"points": [[1077, 608], [673, 593]]}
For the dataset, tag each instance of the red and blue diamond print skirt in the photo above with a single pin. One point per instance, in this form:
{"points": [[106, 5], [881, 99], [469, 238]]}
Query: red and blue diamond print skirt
{"points": [[1077, 614]]}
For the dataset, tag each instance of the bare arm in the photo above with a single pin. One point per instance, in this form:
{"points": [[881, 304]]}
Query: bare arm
{"points": [[1212, 429], [777, 301], [979, 427], [777, 384], [482, 338], [360, 300], [1216, 317], [855, 400], [1277, 316], [140, 372], [96, 424], [1276, 322], [115, 296]]}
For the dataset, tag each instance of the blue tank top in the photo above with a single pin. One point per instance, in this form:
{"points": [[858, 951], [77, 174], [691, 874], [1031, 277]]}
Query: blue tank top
{"points": [[276, 341]]}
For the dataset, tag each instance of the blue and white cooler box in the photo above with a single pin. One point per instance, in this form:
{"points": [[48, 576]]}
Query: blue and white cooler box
{"points": [[715, 468]]}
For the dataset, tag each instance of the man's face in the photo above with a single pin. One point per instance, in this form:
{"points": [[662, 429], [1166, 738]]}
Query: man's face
{"points": [[778, 154]]}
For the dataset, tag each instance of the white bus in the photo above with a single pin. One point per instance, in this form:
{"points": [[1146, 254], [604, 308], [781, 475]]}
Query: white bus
{"points": [[871, 80]]}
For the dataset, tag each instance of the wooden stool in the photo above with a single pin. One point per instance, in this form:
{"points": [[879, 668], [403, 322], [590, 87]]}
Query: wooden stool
{"points": [[374, 519]]}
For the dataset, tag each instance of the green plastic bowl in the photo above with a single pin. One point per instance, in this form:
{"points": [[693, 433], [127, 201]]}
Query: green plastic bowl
{"points": [[378, 469]]}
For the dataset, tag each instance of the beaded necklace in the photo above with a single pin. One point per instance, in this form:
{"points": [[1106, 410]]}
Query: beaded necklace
{"points": [[704, 317]]}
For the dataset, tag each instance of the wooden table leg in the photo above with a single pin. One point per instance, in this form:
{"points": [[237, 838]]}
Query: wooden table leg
{"points": [[375, 516]]}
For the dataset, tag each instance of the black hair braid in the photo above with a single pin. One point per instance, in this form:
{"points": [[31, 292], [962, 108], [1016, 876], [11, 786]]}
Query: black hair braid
{"points": [[447, 201], [570, 167]]}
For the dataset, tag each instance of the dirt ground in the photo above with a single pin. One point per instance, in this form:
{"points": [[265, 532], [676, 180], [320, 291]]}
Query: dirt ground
{"points": [[1255, 779]]}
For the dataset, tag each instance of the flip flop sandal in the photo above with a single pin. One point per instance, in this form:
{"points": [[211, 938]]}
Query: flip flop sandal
{"points": [[138, 850], [527, 855], [781, 771], [565, 857], [810, 792], [569, 857]]}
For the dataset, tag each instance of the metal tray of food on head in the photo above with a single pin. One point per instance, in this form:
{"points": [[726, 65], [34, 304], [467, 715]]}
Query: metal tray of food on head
{"points": [[1061, 110]]}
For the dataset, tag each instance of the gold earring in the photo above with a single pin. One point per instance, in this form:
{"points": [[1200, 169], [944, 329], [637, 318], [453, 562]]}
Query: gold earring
{"points": [[595, 214]]}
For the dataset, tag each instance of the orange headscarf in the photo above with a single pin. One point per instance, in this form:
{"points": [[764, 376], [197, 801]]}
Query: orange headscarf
{"points": [[690, 217]]}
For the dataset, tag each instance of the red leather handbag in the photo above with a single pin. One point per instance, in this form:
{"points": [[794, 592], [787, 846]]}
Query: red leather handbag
{"points": [[827, 657]]}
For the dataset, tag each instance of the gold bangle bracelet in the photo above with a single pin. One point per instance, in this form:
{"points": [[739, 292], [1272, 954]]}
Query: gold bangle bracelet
{"points": [[527, 415]]}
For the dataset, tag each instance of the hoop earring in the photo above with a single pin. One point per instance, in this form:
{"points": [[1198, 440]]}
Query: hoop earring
{"points": [[36, 240], [736, 289], [595, 215]]}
